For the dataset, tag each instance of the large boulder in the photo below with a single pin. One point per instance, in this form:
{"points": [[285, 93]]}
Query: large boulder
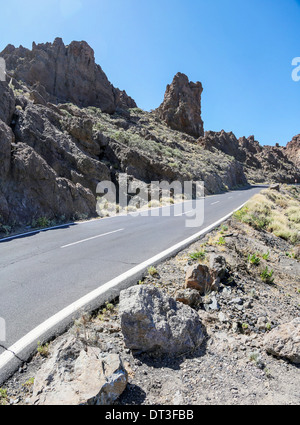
{"points": [[153, 322], [181, 108], [284, 341], [76, 376], [66, 74]]}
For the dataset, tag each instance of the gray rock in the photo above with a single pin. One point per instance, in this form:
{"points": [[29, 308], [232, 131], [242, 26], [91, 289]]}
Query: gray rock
{"points": [[222, 317], [218, 265], [213, 305], [261, 323], [151, 321], [189, 297], [237, 301], [275, 187], [74, 376]]}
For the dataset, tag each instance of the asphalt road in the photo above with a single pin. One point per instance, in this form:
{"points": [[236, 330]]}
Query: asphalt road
{"points": [[43, 273]]}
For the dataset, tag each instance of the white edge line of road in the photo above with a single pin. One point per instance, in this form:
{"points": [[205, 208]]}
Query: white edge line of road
{"points": [[23, 349]]}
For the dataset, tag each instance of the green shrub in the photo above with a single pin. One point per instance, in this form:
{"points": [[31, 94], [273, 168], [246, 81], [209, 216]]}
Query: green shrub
{"points": [[43, 350], [221, 241], [267, 276], [253, 259], [266, 256], [41, 222], [152, 271], [200, 255], [3, 397]]}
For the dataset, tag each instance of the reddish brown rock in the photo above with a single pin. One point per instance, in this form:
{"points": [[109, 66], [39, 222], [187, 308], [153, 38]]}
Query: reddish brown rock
{"points": [[181, 108], [201, 278]]}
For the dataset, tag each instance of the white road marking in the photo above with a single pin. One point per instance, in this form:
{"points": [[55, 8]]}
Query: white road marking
{"points": [[89, 239], [180, 215], [215, 203]]}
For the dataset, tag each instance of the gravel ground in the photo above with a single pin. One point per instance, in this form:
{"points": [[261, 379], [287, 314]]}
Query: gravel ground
{"points": [[232, 366]]}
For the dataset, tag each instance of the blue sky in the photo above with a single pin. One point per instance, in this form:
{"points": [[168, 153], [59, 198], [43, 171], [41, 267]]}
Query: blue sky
{"points": [[240, 50]]}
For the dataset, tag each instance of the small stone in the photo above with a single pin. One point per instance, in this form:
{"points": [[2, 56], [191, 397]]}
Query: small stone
{"points": [[237, 301], [222, 317], [261, 323]]}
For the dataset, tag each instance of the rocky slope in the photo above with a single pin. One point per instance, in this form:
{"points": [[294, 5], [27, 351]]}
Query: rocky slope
{"points": [[64, 127], [261, 163]]}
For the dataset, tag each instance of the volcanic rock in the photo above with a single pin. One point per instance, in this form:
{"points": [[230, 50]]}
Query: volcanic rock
{"points": [[151, 321], [181, 108], [66, 74]]}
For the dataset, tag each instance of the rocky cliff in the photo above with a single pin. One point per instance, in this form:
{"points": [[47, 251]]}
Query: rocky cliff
{"points": [[292, 150], [181, 108], [262, 164], [65, 74]]}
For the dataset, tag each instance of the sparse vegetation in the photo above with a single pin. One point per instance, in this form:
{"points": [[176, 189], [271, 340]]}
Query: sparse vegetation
{"points": [[200, 255], [275, 212], [221, 241], [254, 259], [267, 276], [28, 384], [266, 256], [41, 222], [3, 397], [43, 350], [152, 271]]}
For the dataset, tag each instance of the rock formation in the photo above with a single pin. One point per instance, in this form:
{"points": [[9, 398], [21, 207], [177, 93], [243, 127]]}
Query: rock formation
{"points": [[181, 108], [65, 74], [261, 163], [292, 150]]}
